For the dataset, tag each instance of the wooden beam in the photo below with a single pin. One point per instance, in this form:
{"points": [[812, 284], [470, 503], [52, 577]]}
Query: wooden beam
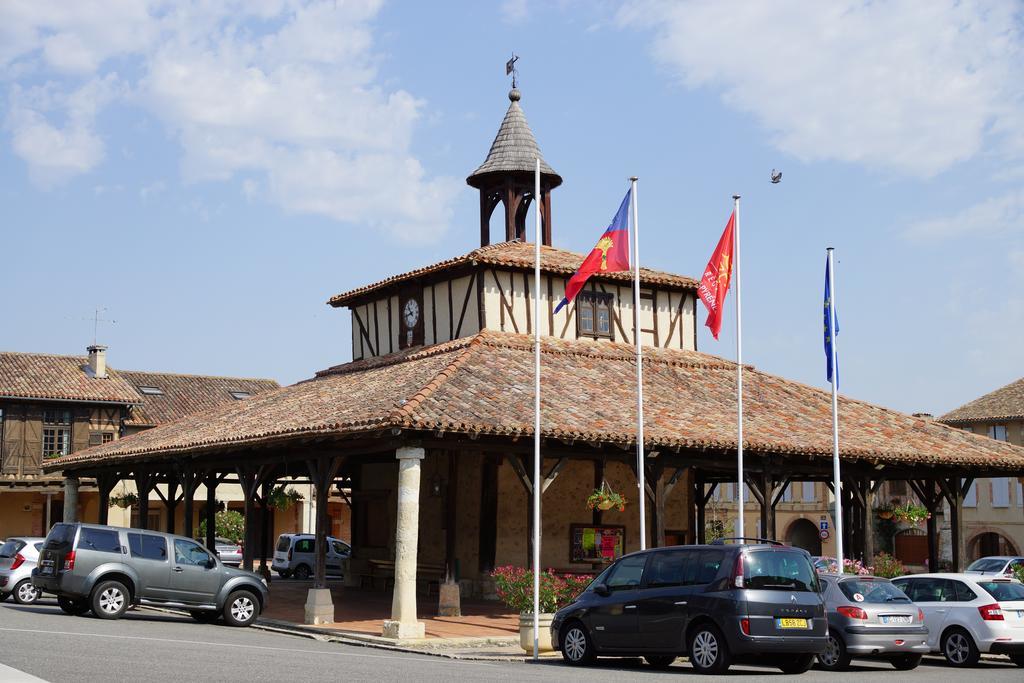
{"points": [[524, 478], [552, 474]]}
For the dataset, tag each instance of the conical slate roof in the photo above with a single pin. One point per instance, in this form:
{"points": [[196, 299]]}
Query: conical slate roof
{"points": [[514, 149]]}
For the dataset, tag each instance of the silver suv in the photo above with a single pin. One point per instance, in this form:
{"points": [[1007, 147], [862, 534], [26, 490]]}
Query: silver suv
{"points": [[107, 569]]}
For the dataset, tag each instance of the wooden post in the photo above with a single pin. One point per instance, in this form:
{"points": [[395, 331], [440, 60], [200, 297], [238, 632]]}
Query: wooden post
{"points": [[210, 513], [105, 483], [189, 482], [171, 502], [268, 487], [143, 485], [659, 507], [250, 477], [487, 544], [451, 518], [956, 520], [322, 472]]}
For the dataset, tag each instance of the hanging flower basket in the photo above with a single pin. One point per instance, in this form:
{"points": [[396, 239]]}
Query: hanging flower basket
{"points": [[125, 500], [884, 511], [909, 513], [606, 499]]}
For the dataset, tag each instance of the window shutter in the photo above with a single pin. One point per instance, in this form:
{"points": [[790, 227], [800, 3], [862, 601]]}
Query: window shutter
{"points": [[80, 429]]}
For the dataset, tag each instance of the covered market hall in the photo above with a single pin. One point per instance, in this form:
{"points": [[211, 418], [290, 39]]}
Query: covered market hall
{"points": [[428, 431]]}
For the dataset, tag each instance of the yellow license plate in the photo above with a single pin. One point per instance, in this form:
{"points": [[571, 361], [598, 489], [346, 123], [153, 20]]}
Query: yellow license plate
{"points": [[791, 623]]}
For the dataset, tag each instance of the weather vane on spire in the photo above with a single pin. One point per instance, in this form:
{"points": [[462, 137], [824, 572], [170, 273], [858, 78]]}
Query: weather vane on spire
{"points": [[510, 68]]}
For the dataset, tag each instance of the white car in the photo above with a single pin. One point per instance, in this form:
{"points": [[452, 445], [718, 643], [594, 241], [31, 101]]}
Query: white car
{"points": [[18, 557], [294, 555], [968, 614], [995, 565]]}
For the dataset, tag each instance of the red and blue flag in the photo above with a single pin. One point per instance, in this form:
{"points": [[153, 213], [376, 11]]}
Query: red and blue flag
{"points": [[610, 255]]}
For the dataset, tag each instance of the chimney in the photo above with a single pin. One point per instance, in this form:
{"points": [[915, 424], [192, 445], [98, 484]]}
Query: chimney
{"points": [[98, 361]]}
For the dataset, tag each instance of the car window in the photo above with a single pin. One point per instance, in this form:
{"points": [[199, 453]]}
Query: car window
{"points": [[1003, 590], [875, 591], [187, 552], [961, 592], [670, 568], [778, 570], [60, 537], [627, 573], [11, 547], [283, 543], [927, 589], [986, 564], [707, 566], [339, 548], [148, 546], [38, 546], [305, 545], [103, 540]]}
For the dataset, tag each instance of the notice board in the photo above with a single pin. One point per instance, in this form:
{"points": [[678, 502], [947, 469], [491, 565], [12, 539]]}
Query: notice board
{"points": [[589, 543]]}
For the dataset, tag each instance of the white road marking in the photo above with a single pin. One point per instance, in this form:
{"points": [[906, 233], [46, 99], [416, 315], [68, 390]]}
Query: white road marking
{"points": [[11, 675], [426, 659]]}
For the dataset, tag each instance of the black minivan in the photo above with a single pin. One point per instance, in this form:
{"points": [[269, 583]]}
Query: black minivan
{"points": [[715, 603]]}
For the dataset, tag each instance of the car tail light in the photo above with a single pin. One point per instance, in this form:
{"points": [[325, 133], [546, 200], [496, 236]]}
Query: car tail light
{"points": [[852, 612], [737, 571], [19, 560], [69, 561], [745, 626], [920, 614], [991, 612]]}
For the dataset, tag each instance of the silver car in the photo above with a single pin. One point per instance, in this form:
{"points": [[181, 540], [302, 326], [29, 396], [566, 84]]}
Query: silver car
{"points": [[996, 565], [870, 617], [18, 558], [294, 555], [229, 552]]}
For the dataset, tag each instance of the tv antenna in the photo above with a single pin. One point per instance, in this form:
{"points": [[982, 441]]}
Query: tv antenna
{"points": [[510, 68], [96, 320]]}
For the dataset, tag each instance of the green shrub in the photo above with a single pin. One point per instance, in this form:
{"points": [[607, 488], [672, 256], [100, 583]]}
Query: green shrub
{"points": [[887, 566], [229, 525]]}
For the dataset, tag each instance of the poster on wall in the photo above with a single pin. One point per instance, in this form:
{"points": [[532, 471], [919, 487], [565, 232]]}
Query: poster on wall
{"points": [[596, 544]]}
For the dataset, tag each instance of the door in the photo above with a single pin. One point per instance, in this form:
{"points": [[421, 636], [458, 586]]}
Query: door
{"points": [[303, 553], [337, 553], [193, 579], [663, 599], [149, 558], [933, 596], [613, 619]]}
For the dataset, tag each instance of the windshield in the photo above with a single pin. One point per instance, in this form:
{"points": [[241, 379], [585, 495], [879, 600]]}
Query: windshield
{"points": [[987, 565], [876, 591], [1003, 591], [11, 547], [60, 537], [779, 570]]}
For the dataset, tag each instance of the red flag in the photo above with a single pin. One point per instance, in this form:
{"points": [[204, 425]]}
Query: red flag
{"points": [[609, 256], [715, 283]]}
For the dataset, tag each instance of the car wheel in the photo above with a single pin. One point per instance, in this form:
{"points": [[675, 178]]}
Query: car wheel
{"points": [[660, 661], [796, 664], [1017, 659], [284, 574], [241, 609], [110, 599], [204, 616], [906, 662], [73, 607], [959, 649], [25, 593], [302, 572], [577, 647], [709, 653], [834, 658]]}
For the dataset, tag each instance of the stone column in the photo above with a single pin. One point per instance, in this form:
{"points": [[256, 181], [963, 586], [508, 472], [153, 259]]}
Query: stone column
{"points": [[71, 500], [403, 622]]}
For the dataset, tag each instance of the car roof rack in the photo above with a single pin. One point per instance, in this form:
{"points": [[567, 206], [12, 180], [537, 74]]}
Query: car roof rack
{"points": [[769, 541]]}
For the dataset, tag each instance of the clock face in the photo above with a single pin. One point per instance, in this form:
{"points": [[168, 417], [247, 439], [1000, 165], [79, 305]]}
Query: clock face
{"points": [[411, 312]]}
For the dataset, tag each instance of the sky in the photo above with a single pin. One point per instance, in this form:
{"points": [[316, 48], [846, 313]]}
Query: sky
{"points": [[209, 174]]}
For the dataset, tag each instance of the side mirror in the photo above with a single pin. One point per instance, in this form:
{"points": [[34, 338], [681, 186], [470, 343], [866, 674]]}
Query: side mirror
{"points": [[602, 590], [211, 563]]}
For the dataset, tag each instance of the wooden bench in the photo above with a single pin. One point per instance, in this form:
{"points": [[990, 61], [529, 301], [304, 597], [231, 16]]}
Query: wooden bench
{"points": [[430, 575]]}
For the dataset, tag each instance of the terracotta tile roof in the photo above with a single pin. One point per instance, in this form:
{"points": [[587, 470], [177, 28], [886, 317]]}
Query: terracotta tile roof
{"points": [[517, 255], [185, 394], [1006, 403], [48, 376], [483, 385]]}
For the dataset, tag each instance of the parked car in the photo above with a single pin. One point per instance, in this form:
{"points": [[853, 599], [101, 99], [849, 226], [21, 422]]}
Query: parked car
{"points": [[229, 552], [715, 603], [107, 569], [996, 565], [968, 614], [870, 617], [824, 564], [294, 555], [17, 560]]}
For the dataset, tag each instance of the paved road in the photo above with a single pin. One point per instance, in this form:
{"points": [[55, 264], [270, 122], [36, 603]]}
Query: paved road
{"points": [[43, 642]]}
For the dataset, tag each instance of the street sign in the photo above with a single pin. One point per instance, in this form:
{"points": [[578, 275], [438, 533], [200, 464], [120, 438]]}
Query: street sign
{"points": [[823, 525], [824, 534]]}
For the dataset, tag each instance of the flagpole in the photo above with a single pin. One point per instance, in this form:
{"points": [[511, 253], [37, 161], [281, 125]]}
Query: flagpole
{"points": [[640, 469], [739, 374], [837, 482], [536, 416]]}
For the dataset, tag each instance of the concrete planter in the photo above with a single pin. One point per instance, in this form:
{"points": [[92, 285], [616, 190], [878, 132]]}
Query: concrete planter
{"points": [[526, 632]]}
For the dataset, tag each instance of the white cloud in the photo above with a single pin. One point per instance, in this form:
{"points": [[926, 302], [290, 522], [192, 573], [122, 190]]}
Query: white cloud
{"points": [[910, 87], [275, 94], [995, 215]]}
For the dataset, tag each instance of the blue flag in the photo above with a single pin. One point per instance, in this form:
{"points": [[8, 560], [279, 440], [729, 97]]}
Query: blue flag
{"points": [[829, 333]]}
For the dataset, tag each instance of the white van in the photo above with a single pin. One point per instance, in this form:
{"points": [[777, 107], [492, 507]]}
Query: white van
{"points": [[293, 555]]}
